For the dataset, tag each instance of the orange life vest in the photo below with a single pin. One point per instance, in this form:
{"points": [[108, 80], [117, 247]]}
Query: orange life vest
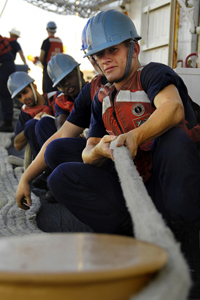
{"points": [[55, 48], [95, 85], [128, 110], [34, 110], [63, 101], [4, 46]]}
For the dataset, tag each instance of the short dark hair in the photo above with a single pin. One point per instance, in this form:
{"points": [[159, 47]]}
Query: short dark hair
{"points": [[127, 43]]}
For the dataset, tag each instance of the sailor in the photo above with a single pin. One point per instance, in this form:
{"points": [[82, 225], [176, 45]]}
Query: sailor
{"points": [[16, 47], [34, 106], [50, 47], [66, 75], [146, 109], [7, 67]]}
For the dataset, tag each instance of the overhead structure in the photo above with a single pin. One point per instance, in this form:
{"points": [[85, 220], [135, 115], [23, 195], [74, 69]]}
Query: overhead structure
{"points": [[81, 8]]}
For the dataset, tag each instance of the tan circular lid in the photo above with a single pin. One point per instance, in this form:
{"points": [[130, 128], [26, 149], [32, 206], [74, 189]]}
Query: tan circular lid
{"points": [[78, 256]]}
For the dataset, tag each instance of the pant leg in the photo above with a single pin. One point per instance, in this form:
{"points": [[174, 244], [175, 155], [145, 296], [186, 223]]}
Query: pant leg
{"points": [[44, 129], [29, 133], [64, 150], [92, 194], [175, 189], [175, 184], [6, 68], [6, 109]]}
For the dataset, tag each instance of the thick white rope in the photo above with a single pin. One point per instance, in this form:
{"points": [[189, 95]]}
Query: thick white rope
{"points": [[173, 281], [14, 221]]}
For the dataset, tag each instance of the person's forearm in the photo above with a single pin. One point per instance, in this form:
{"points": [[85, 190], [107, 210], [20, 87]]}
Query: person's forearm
{"points": [[165, 117], [60, 120], [69, 130], [168, 114], [22, 57], [97, 150], [90, 155], [38, 165]]}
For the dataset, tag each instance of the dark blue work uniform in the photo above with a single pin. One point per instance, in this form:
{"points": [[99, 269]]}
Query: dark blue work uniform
{"points": [[7, 67], [94, 194], [15, 47], [51, 46], [70, 149]]}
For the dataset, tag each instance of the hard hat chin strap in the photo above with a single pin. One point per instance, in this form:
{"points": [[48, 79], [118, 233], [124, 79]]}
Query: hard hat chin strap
{"points": [[97, 64], [34, 93], [129, 60], [79, 78]]}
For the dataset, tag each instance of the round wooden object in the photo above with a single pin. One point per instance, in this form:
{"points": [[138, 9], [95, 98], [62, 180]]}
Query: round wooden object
{"points": [[76, 266]]}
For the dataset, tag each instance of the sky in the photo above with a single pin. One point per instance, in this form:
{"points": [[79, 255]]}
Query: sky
{"points": [[31, 21]]}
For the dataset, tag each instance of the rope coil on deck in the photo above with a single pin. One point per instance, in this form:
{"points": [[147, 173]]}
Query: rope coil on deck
{"points": [[13, 221], [173, 281]]}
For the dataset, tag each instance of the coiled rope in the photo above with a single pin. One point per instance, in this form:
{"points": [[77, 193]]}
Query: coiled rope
{"points": [[14, 221], [173, 281]]}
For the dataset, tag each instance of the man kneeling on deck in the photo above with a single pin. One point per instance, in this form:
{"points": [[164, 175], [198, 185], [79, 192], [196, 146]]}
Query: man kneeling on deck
{"points": [[146, 109]]}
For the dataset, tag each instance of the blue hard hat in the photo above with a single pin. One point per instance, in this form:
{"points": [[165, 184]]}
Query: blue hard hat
{"points": [[17, 81], [51, 26], [107, 29], [83, 36], [60, 66]]}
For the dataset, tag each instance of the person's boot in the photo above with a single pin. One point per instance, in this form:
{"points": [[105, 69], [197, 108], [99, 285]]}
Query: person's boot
{"points": [[7, 126], [40, 182], [189, 237], [49, 197]]}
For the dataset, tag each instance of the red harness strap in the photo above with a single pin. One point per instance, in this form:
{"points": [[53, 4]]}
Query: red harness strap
{"points": [[64, 103], [95, 85]]}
